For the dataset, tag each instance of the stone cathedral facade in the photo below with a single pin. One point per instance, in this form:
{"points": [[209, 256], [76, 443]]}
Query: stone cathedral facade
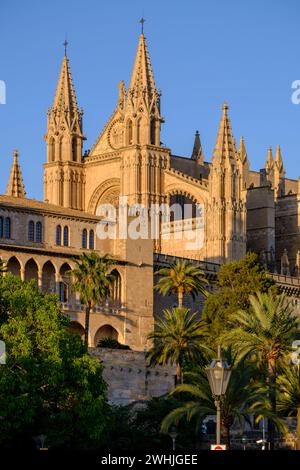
{"points": [[243, 210]]}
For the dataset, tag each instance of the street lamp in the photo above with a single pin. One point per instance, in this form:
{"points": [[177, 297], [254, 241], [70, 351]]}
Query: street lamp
{"points": [[173, 434], [218, 374]]}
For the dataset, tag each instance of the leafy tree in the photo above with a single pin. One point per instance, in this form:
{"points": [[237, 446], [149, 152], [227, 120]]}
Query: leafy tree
{"points": [[200, 403], [178, 338], [49, 384], [92, 280], [236, 281], [183, 277], [266, 333]]}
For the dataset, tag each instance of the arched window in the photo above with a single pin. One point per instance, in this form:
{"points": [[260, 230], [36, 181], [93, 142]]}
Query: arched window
{"points": [[1, 227], [74, 150], [52, 150], [66, 236], [58, 235], [63, 292], [84, 238], [139, 131], [152, 132], [38, 232], [91, 240], [31, 231], [129, 132], [116, 290], [7, 228]]}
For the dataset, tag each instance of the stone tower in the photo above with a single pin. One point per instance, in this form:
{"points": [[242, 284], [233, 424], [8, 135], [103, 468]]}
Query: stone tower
{"points": [[227, 206], [64, 174], [143, 157]]}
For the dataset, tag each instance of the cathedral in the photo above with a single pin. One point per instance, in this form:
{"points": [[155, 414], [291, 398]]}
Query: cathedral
{"points": [[243, 210]]}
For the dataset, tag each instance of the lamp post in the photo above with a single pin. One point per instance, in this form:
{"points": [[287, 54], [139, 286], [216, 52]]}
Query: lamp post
{"points": [[173, 435], [218, 374]]}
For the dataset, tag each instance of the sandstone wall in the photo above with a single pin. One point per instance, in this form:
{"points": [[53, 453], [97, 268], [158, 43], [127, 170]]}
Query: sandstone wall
{"points": [[128, 377]]}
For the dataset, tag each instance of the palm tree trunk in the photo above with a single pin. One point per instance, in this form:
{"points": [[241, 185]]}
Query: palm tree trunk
{"points": [[180, 299], [298, 429], [87, 324], [272, 382], [226, 436], [178, 374]]}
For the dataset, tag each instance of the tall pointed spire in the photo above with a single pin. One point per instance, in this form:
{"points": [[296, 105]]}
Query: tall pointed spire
{"points": [[15, 185], [225, 148], [65, 99], [142, 83], [197, 153]]}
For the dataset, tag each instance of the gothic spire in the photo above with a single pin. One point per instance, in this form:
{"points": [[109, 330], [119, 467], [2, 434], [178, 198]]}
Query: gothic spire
{"points": [[197, 153], [15, 185], [142, 80], [65, 99], [225, 148]]}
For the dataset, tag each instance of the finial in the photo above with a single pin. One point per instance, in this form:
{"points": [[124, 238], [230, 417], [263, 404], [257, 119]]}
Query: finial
{"points": [[65, 44], [225, 106], [16, 154], [142, 21], [197, 133]]}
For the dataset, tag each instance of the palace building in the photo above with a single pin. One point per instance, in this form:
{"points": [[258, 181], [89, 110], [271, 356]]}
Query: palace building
{"points": [[243, 210]]}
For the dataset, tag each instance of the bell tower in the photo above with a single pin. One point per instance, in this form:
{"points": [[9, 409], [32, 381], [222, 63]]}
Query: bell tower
{"points": [[64, 179], [143, 157]]}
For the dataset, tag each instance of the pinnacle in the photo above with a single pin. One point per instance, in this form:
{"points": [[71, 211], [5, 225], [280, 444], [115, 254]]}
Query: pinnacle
{"points": [[197, 153], [65, 98], [142, 79], [15, 185], [225, 146]]}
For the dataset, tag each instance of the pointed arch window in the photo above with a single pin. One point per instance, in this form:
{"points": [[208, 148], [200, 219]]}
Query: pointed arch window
{"points": [[74, 150], [7, 227], [52, 150], [66, 236], [31, 231], [91, 240], [129, 132], [152, 132], [58, 235], [84, 238], [38, 232], [139, 130]]}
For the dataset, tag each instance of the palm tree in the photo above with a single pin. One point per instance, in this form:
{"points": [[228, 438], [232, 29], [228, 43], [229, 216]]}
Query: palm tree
{"points": [[234, 405], [178, 337], [288, 402], [182, 277], [91, 279], [267, 333]]}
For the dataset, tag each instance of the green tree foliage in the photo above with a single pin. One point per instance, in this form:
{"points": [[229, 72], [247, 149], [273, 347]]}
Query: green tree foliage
{"points": [[183, 277], [236, 281], [92, 280], [288, 402], [265, 333], [49, 384], [199, 402], [178, 338]]}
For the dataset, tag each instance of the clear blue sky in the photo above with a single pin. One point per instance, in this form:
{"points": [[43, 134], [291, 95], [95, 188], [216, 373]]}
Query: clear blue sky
{"points": [[202, 53]]}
